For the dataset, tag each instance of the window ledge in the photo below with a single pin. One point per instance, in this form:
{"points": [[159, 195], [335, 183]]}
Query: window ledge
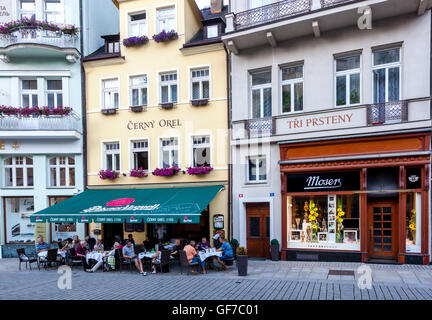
{"points": [[138, 108], [256, 183], [109, 111], [199, 102]]}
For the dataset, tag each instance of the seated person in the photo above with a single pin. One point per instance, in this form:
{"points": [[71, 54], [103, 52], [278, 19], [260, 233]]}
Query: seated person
{"points": [[98, 246], [76, 241], [227, 252], [147, 244], [41, 245], [157, 257], [68, 245], [192, 256], [90, 242], [177, 248], [104, 259], [130, 256], [131, 239], [203, 245], [81, 251], [216, 242]]}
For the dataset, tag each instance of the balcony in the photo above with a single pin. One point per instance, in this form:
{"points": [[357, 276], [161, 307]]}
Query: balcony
{"points": [[386, 113], [289, 19], [53, 127], [27, 41], [262, 127]]}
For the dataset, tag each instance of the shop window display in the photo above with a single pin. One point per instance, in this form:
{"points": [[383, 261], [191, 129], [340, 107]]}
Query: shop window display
{"points": [[19, 229], [413, 222], [324, 222]]}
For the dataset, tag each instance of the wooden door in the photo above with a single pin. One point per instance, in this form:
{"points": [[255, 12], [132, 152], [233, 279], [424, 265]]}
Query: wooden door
{"points": [[383, 230], [258, 229]]}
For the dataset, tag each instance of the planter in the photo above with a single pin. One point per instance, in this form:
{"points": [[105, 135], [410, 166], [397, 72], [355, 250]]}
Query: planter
{"points": [[137, 108], [201, 102], [109, 111], [167, 106], [242, 265], [274, 251]]}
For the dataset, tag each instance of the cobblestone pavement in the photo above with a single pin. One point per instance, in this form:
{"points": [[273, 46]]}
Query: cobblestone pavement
{"points": [[266, 280]]}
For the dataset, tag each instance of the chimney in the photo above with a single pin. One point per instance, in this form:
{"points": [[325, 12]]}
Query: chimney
{"points": [[216, 6]]}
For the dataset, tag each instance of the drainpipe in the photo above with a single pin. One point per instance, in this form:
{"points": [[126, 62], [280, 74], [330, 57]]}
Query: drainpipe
{"points": [[230, 196]]}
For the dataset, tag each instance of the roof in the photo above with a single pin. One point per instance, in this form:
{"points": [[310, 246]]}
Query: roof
{"points": [[207, 15], [100, 53]]}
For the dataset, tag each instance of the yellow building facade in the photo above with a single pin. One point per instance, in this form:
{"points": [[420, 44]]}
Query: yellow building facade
{"points": [[160, 104]]}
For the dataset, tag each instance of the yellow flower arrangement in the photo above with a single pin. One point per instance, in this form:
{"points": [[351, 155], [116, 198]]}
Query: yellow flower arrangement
{"points": [[313, 218], [339, 218]]}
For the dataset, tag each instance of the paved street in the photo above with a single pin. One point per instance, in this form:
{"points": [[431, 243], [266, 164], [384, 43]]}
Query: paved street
{"points": [[266, 281]]}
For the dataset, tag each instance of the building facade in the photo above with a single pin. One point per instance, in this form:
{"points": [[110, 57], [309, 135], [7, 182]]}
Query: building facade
{"points": [[331, 120], [41, 130], [157, 104]]}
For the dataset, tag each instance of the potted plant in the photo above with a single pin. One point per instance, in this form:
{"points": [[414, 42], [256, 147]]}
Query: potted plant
{"points": [[242, 261], [199, 170], [108, 174], [138, 173], [234, 244], [165, 36], [274, 250]]}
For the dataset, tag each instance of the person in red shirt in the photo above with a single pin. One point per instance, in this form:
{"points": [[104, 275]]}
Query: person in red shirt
{"points": [[81, 251]]}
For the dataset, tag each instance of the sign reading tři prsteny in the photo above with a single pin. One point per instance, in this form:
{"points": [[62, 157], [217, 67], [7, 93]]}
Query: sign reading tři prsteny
{"points": [[323, 181]]}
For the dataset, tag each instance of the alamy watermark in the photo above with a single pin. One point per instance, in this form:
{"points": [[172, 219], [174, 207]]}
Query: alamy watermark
{"points": [[64, 282], [364, 281]]}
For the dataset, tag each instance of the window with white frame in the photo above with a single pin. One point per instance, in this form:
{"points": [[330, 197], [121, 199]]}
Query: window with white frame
{"points": [[112, 156], [201, 151], [54, 93], [212, 31], [200, 84], [110, 92], [261, 94], [259, 3], [18, 172], [27, 9], [387, 75], [257, 169], [292, 88], [347, 81], [29, 92], [166, 19], [53, 11], [169, 152], [137, 24], [138, 90], [112, 46], [140, 155], [62, 171], [168, 87]]}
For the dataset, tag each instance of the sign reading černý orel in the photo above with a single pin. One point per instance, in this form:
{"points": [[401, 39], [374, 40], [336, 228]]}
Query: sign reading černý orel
{"points": [[320, 182], [152, 124]]}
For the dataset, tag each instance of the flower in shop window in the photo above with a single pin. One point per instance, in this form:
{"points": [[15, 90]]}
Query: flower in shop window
{"points": [[339, 220]]}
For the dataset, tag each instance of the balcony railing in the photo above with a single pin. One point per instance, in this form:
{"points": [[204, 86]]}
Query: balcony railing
{"points": [[390, 112], [271, 12], [51, 123], [38, 36], [260, 127], [331, 3]]}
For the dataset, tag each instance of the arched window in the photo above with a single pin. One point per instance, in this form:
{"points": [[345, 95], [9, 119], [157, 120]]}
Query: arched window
{"points": [[62, 172], [18, 171]]}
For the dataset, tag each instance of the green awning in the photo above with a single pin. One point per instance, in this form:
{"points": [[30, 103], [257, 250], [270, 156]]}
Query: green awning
{"points": [[162, 205]]}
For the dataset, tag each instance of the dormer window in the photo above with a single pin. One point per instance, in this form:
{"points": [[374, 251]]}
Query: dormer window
{"points": [[212, 31], [112, 44]]}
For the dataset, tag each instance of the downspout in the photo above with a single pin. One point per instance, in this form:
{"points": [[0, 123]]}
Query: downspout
{"points": [[230, 196]]}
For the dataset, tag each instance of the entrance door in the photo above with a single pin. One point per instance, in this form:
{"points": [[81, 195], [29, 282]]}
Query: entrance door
{"points": [[110, 232], [383, 230], [258, 229]]}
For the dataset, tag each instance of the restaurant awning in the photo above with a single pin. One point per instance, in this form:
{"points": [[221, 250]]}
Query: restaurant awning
{"points": [[162, 205]]}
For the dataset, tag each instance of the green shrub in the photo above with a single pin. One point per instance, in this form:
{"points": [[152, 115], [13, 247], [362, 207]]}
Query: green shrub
{"points": [[241, 251], [274, 242]]}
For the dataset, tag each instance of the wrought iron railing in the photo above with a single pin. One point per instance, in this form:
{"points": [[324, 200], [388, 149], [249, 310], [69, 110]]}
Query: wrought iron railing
{"points": [[331, 3], [260, 127], [389, 112], [50, 123], [38, 36], [271, 12]]}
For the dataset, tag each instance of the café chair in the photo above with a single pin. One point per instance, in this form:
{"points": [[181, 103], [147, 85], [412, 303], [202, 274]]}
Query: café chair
{"points": [[23, 257]]}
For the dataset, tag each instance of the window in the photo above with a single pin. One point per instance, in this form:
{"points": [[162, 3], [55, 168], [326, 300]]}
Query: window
{"points": [[168, 87], [54, 93], [29, 93], [61, 231], [166, 19], [200, 84], [112, 156], [169, 152], [261, 94], [19, 229], [27, 9], [140, 155], [201, 151], [18, 172], [257, 169], [113, 47], [212, 31], [348, 80], [62, 172], [138, 90], [413, 222], [292, 89], [137, 24], [386, 75], [53, 11], [259, 3], [110, 94]]}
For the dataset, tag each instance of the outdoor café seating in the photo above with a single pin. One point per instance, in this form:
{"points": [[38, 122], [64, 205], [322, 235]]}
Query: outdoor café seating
{"points": [[24, 258]]}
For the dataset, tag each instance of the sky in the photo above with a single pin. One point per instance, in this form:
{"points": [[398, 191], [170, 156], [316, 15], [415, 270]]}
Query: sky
{"points": [[203, 3]]}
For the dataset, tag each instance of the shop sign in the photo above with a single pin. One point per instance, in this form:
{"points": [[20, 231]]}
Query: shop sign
{"points": [[323, 181], [218, 221], [413, 178], [152, 124]]}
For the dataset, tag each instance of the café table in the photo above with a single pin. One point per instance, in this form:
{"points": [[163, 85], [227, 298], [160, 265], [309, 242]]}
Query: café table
{"points": [[209, 253]]}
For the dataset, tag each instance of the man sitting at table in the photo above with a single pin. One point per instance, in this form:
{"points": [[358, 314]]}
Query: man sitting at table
{"points": [[192, 256], [177, 248], [104, 259], [130, 256], [227, 252], [203, 245], [81, 251], [41, 245]]}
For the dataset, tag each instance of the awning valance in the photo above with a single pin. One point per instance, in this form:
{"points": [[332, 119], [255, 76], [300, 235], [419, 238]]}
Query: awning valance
{"points": [[161, 205]]}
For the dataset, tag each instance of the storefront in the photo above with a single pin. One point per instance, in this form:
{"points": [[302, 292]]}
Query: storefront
{"points": [[363, 199]]}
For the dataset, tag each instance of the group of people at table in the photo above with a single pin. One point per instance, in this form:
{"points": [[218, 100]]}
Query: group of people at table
{"points": [[93, 254]]}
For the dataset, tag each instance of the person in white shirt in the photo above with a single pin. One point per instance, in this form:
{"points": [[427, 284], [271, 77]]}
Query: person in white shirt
{"points": [[100, 263]]}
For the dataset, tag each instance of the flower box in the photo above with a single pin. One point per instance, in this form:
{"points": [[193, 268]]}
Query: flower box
{"points": [[137, 108], [166, 172], [167, 106], [109, 111], [199, 170], [199, 102], [138, 173], [26, 23], [135, 41], [34, 111], [164, 36], [108, 174]]}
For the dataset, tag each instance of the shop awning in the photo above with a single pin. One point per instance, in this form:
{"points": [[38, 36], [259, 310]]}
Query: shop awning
{"points": [[162, 205]]}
